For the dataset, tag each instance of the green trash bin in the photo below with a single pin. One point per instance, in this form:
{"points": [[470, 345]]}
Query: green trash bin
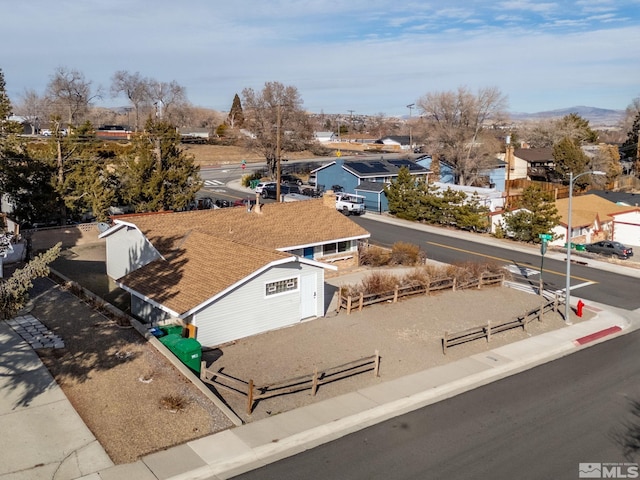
{"points": [[254, 183], [172, 329], [170, 340], [189, 351], [581, 248]]}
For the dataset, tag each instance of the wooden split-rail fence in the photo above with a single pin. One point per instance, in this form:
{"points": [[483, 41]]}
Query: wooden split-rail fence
{"points": [[489, 329], [353, 302], [254, 394]]}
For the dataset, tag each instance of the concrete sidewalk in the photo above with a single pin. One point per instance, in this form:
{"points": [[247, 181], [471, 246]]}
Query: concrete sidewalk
{"points": [[232, 452], [43, 437]]}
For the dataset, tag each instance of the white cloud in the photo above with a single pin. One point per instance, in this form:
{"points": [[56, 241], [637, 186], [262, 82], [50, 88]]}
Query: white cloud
{"points": [[368, 56]]}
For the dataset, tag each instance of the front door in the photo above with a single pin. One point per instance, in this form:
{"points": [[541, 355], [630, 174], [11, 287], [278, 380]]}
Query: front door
{"points": [[308, 295], [308, 253]]}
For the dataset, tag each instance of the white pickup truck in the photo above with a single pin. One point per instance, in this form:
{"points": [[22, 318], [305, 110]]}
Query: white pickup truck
{"points": [[350, 203]]}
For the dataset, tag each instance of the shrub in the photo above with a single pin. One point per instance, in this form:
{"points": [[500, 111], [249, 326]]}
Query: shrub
{"points": [[403, 253], [379, 282], [374, 256], [173, 403]]}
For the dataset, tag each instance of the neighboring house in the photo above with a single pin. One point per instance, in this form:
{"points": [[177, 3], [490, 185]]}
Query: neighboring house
{"points": [[194, 133], [494, 177], [491, 198], [396, 142], [626, 227], [532, 164], [351, 174], [228, 272], [325, 137], [591, 219]]}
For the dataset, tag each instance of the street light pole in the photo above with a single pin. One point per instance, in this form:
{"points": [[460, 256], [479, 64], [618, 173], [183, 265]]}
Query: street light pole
{"points": [[567, 294]]}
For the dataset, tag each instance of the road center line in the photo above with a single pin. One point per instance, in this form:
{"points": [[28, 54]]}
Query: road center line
{"points": [[589, 282]]}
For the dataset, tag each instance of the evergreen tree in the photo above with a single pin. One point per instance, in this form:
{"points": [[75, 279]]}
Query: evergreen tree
{"points": [[235, 119], [539, 215], [569, 157], [402, 196], [630, 146], [158, 175], [14, 292], [5, 103]]}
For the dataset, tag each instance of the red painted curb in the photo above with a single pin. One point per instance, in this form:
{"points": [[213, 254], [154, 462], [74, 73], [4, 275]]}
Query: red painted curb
{"points": [[597, 335]]}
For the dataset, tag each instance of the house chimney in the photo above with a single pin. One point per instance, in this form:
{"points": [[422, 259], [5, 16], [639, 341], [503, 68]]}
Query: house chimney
{"points": [[329, 199]]}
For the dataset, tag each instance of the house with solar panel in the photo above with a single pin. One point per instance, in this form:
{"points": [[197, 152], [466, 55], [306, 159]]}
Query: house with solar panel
{"points": [[366, 177]]}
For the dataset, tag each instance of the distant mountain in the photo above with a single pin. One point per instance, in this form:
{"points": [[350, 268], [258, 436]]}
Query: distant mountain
{"points": [[596, 116]]}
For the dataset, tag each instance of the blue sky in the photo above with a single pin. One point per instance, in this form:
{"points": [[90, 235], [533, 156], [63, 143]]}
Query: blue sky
{"points": [[369, 57]]}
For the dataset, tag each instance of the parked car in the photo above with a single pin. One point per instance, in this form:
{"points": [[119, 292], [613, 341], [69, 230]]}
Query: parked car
{"points": [[286, 178], [261, 186], [270, 191], [607, 247]]}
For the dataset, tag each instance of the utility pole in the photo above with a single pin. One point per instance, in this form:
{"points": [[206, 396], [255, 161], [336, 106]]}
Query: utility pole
{"points": [[351, 120], [410, 107], [278, 151]]}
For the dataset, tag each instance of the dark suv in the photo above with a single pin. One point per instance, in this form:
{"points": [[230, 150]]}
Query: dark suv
{"points": [[607, 247], [269, 191]]}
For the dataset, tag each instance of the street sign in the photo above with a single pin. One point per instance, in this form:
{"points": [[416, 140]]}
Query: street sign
{"points": [[545, 237], [338, 153]]}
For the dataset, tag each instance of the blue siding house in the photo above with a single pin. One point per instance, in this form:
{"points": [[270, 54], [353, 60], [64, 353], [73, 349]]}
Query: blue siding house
{"points": [[366, 177]]}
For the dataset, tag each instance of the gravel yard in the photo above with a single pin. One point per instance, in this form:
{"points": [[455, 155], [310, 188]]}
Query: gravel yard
{"points": [[135, 402]]}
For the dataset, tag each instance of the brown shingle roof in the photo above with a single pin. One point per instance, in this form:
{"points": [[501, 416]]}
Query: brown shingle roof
{"points": [[207, 251], [544, 154], [586, 208], [279, 226], [199, 268]]}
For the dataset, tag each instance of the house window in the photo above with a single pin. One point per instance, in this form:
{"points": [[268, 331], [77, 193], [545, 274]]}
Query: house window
{"points": [[329, 249], [281, 286], [344, 246]]}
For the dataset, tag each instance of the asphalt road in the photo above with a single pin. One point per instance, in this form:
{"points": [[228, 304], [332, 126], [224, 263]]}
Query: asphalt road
{"points": [[597, 285], [540, 424]]}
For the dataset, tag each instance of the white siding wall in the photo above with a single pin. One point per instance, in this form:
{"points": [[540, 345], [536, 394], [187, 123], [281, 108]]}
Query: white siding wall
{"points": [[127, 250], [626, 229], [248, 311]]}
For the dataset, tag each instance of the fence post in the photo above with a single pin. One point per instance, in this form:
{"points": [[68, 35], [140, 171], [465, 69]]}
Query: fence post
{"points": [[454, 284], [314, 384], [488, 331], [250, 397], [361, 301], [376, 368], [349, 305], [203, 370], [444, 343], [395, 294]]}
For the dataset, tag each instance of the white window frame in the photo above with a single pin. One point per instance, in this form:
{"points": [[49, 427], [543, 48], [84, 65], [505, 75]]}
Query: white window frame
{"points": [[295, 279]]}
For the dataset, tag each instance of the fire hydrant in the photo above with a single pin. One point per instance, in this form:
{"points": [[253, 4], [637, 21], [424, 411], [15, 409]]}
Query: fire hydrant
{"points": [[579, 308]]}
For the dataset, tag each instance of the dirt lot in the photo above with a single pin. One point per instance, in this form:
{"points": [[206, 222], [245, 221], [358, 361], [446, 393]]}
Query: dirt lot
{"points": [[126, 391], [216, 155], [407, 335]]}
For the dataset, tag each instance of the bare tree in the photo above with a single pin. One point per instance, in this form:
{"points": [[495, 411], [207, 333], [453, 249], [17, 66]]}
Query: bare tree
{"points": [[169, 98], [459, 128], [135, 87], [276, 120], [70, 94], [33, 108]]}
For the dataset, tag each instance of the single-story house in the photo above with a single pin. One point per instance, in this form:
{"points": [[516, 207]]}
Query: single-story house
{"points": [[492, 177], [325, 137], [591, 219], [356, 176], [231, 273], [396, 142]]}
